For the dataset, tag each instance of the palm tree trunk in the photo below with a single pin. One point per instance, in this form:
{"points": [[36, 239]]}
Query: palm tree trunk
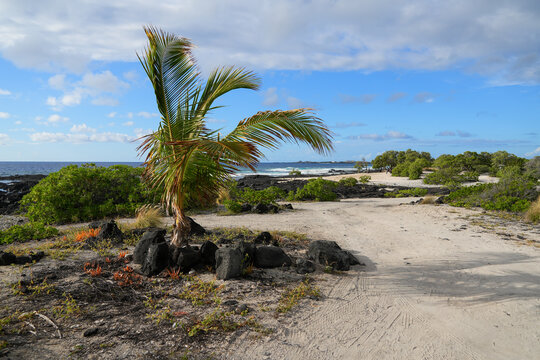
{"points": [[181, 230]]}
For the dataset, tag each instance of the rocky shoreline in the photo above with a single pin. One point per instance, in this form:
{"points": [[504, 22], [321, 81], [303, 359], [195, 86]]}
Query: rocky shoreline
{"points": [[12, 190]]}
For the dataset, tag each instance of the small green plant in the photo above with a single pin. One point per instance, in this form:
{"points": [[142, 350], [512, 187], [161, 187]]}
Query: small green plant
{"points": [[33, 289], [291, 297], [348, 181], [26, 232], [218, 320], [200, 292], [68, 307]]}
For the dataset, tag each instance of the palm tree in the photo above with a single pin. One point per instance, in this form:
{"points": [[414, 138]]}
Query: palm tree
{"points": [[187, 159]]}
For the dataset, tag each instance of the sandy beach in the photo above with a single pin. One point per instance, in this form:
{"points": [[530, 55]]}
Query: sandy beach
{"points": [[440, 283]]}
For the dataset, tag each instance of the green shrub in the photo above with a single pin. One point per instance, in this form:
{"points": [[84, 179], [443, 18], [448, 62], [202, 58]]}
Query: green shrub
{"points": [[415, 168], [348, 181], [26, 232], [86, 193], [417, 192], [450, 177], [513, 194], [364, 179], [233, 206], [316, 189], [401, 170], [267, 196]]}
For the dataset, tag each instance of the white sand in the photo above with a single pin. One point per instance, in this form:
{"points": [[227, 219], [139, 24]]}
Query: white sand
{"points": [[383, 178], [435, 286]]}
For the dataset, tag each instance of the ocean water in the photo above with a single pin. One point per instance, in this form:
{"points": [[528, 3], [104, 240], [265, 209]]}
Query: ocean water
{"points": [[8, 168]]}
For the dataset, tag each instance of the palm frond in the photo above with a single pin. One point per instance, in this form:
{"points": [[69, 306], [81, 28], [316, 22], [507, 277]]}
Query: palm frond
{"points": [[269, 128]]}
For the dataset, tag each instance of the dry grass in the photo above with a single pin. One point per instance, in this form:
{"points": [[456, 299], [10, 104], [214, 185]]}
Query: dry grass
{"points": [[428, 200], [533, 214], [148, 216]]}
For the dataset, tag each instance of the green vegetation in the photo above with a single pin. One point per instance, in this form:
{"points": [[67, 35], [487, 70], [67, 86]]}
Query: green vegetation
{"points": [[295, 172], [416, 192], [26, 232], [238, 197], [85, 193], [364, 179], [348, 181], [407, 163], [532, 168], [291, 297], [361, 165], [511, 193], [183, 157], [315, 190]]}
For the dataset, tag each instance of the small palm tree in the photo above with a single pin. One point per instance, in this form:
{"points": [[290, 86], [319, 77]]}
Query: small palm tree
{"points": [[188, 160]]}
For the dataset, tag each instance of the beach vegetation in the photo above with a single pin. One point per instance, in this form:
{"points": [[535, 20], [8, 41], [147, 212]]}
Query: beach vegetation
{"points": [[315, 190], [292, 297], [295, 172], [361, 165], [348, 181], [148, 216], [87, 192], [364, 179], [511, 193], [186, 159], [33, 230], [532, 168]]}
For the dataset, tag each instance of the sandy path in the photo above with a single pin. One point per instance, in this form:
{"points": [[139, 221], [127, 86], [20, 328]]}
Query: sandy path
{"points": [[434, 287]]}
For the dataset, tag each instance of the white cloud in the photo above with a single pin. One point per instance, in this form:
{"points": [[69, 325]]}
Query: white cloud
{"points": [[4, 115], [146, 114], [534, 152], [128, 123], [130, 115], [380, 137], [4, 139], [488, 37], [92, 85], [111, 114], [294, 103], [55, 118], [130, 75], [141, 132], [18, 122], [342, 125], [78, 137], [82, 128], [105, 101], [270, 97], [5, 92], [57, 82]]}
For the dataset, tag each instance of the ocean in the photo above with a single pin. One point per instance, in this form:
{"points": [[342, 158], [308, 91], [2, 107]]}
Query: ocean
{"points": [[8, 168]]}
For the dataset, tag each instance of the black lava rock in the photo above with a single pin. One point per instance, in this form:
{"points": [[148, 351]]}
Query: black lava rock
{"points": [[155, 236], [271, 257]]}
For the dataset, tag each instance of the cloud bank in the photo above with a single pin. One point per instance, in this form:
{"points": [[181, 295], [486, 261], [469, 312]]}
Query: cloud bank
{"points": [[493, 38]]}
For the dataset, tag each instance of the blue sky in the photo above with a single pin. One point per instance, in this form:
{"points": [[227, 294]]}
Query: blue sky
{"points": [[437, 76]]}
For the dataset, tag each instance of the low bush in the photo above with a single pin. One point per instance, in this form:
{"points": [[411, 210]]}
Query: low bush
{"points": [[450, 177], [148, 216], [316, 189], [233, 206], [364, 179], [87, 193], [26, 232], [348, 181], [513, 194], [247, 195], [532, 168], [416, 192]]}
